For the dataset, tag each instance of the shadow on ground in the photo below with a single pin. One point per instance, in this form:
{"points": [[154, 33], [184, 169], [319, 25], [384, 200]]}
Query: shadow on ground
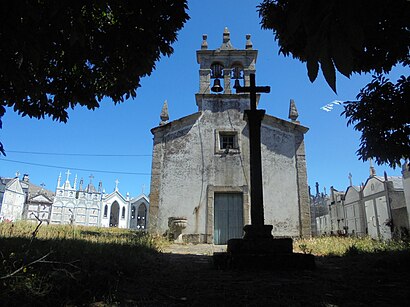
{"points": [[359, 280], [84, 274]]}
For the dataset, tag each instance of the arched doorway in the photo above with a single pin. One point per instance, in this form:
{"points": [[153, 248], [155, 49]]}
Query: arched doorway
{"points": [[142, 217], [115, 214]]}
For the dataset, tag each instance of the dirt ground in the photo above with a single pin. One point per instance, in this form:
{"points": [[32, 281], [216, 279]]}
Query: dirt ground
{"points": [[185, 276]]}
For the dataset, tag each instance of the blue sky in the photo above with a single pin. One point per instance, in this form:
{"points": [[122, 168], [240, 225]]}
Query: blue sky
{"points": [[125, 129]]}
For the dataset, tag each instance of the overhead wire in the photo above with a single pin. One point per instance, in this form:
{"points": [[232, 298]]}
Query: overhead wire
{"points": [[77, 154], [77, 169]]}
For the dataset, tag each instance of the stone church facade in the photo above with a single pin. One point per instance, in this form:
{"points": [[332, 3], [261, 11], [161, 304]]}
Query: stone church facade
{"points": [[200, 185]]}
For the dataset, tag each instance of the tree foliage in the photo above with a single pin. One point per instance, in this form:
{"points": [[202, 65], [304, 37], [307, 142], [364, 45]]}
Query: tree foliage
{"points": [[382, 115], [59, 54], [352, 37]]}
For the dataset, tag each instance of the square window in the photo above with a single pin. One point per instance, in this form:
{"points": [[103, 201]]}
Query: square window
{"points": [[226, 142]]}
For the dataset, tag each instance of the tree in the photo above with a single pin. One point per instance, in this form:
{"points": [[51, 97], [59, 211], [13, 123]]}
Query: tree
{"points": [[59, 54], [382, 115], [354, 37]]}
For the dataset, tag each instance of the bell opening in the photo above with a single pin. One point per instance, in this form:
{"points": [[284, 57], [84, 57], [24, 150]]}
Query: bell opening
{"points": [[237, 84], [217, 88]]}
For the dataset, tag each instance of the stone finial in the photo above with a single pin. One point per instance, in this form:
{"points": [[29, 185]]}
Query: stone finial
{"points": [[59, 180], [67, 181], [350, 179], [249, 44], [75, 182], [164, 114], [226, 35], [226, 42], [204, 44], [116, 184], [293, 112], [372, 170]]}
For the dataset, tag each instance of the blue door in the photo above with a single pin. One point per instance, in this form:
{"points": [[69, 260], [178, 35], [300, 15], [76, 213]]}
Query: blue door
{"points": [[228, 217]]}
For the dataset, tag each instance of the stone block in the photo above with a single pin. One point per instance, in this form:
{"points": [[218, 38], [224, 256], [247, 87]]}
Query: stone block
{"points": [[270, 261], [260, 246], [194, 238]]}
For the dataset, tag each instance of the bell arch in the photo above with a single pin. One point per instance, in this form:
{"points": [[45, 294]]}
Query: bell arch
{"points": [[115, 214], [142, 216], [237, 74], [217, 69]]}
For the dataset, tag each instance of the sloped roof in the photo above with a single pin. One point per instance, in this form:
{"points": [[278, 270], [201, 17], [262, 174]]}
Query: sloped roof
{"points": [[112, 194], [354, 187], [141, 196], [267, 120], [14, 185], [396, 180], [40, 198]]}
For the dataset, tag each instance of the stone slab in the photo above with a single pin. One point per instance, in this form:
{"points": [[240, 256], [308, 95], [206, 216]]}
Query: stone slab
{"points": [[260, 246], [264, 261]]}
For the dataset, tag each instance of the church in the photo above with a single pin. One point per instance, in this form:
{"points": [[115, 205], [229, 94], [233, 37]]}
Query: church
{"points": [[200, 185]]}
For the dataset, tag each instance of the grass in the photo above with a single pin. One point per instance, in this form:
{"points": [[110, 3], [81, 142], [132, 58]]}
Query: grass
{"points": [[343, 246], [81, 266], [67, 265]]}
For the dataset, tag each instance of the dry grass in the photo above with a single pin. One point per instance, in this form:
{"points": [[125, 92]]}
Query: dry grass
{"points": [[76, 266], [70, 265], [340, 246]]}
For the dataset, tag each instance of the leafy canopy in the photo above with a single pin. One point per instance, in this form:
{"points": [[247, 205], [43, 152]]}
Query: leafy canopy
{"points": [[58, 54], [353, 37], [383, 117]]}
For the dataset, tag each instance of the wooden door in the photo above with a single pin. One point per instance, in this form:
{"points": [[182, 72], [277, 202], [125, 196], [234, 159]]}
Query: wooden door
{"points": [[228, 217]]}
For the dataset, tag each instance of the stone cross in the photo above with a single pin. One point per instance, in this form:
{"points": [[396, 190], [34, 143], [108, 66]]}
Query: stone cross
{"points": [[254, 117], [68, 174], [350, 179], [253, 89], [116, 184]]}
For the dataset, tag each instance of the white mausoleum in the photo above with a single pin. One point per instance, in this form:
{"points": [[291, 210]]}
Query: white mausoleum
{"points": [[91, 206]]}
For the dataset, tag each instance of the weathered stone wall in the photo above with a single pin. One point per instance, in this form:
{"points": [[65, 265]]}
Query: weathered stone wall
{"points": [[188, 168]]}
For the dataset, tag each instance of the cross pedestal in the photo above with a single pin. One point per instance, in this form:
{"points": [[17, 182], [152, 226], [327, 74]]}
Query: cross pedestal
{"points": [[258, 248], [257, 229]]}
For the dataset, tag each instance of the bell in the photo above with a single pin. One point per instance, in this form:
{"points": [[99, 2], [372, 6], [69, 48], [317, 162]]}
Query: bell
{"points": [[237, 84], [217, 86]]}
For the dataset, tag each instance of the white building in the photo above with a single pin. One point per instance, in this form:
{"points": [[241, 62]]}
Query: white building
{"points": [[354, 211], [378, 209], [12, 199], [91, 206], [200, 170], [20, 199]]}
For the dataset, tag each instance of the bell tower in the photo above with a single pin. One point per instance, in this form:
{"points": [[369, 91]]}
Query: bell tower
{"points": [[223, 69]]}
